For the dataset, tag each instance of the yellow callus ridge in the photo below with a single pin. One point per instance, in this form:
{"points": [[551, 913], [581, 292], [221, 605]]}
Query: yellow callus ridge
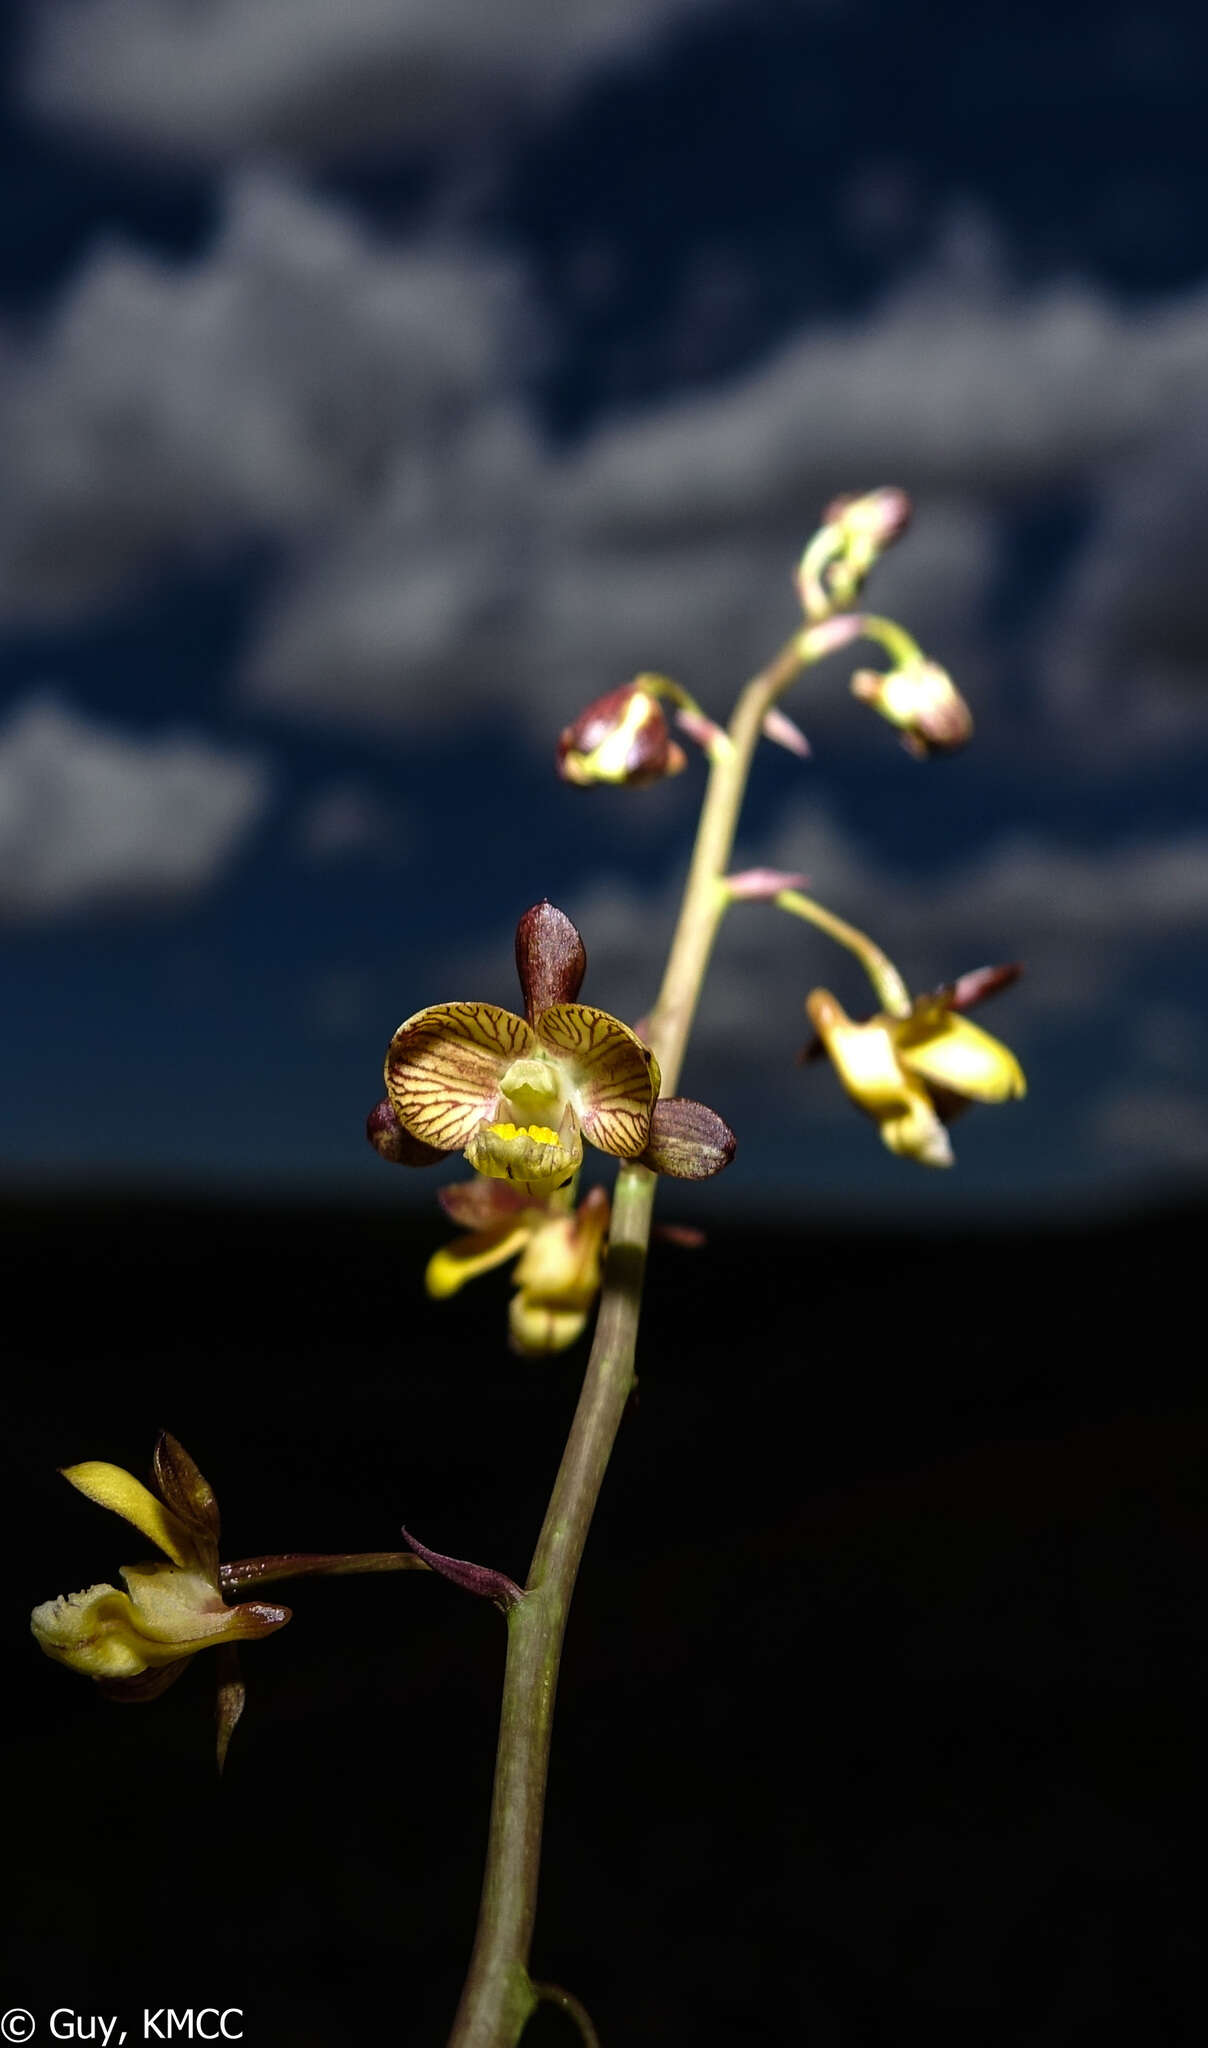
{"points": [[533, 1155]]}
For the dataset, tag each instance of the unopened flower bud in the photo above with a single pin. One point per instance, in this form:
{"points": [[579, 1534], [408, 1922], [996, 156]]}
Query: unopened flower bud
{"points": [[854, 534], [922, 700], [622, 738], [876, 518]]}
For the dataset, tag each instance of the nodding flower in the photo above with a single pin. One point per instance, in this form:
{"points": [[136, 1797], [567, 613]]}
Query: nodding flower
{"points": [[135, 1643], [914, 1074], [559, 1252]]}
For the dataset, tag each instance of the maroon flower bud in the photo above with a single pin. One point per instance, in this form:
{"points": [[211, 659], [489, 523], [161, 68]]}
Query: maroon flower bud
{"points": [[622, 738]]}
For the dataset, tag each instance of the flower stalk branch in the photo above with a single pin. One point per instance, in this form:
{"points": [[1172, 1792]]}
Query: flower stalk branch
{"points": [[499, 1996]]}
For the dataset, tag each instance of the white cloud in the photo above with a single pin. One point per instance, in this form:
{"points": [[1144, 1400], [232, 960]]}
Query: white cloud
{"points": [[93, 818], [1126, 651], [347, 820], [261, 391], [316, 77], [360, 405], [667, 538]]}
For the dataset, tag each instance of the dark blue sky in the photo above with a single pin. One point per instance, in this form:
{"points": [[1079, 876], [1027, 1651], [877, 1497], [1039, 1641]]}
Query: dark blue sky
{"points": [[353, 445]]}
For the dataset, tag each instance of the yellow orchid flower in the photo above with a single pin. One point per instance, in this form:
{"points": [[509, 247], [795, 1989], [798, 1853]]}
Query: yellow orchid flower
{"points": [[134, 1643], [913, 1074], [560, 1253], [519, 1095]]}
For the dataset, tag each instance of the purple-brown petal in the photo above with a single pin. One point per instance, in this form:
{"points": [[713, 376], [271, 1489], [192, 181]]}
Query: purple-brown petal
{"points": [[551, 959], [391, 1142], [687, 1140], [477, 1204], [444, 1067]]}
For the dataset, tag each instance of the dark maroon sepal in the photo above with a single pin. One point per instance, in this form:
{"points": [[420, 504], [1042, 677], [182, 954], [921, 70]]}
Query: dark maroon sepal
{"points": [[477, 1204], [229, 1705], [186, 1490], [391, 1142], [977, 985], [688, 1141], [147, 1686], [551, 959], [472, 1578]]}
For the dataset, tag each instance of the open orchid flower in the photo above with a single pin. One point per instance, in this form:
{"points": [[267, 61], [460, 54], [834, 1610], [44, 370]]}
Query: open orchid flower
{"points": [[914, 1074], [560, 1254], [520, 1095], [134, 1643]]}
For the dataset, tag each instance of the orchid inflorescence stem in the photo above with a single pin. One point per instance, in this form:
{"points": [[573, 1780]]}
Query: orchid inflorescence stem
{"points": [[498, 1996]]}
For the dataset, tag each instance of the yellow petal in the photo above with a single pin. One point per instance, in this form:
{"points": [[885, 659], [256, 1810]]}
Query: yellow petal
{"points": [[466, 1257], [535, 1328], [562, 1260], [444, 1067], [864, 1055], [914, 1131], [615, 1077], [110, 1487], [947, 1049]]}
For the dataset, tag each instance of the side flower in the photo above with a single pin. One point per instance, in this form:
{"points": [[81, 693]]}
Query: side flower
{"points": [[135, 1643], [520, 1095], [559, 1253], [914, 1074]]}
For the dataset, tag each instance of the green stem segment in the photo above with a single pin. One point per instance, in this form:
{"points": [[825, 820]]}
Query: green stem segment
{"points": [[892, 992], [499, 1996]]}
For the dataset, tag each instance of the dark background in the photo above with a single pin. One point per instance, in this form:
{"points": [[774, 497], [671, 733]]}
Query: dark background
{"points": [[379, 382], [882, 1703]]}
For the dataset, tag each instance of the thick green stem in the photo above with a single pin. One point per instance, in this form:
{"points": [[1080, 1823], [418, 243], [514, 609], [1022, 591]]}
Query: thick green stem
{"points": [[499, 1997]]}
